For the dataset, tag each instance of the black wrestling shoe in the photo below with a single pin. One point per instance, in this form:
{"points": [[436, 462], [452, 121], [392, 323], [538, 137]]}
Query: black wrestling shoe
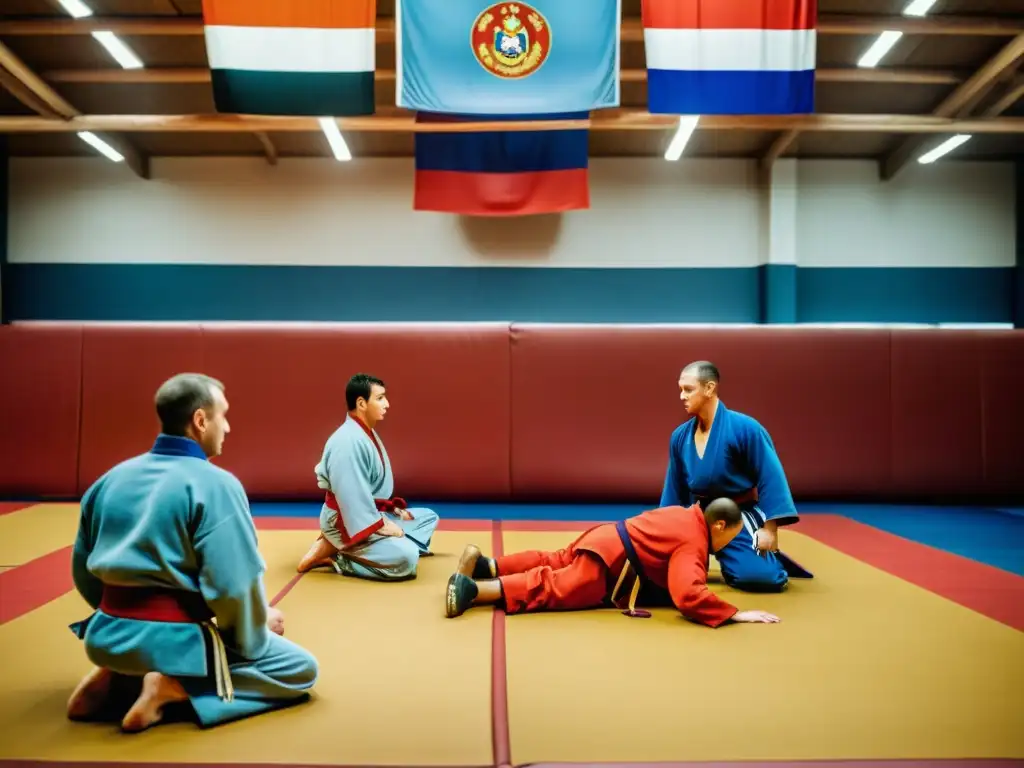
{"points": [[485, 568], [459, 595]]}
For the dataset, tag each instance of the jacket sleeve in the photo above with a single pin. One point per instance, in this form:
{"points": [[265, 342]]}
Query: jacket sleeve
{"points": [[88, 586], [688, 586], [231, 567], [773, 494]]}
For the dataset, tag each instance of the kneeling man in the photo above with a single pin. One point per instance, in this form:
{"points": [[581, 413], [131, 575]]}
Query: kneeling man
{"points": [[365, 531], [167, 557], [661, 550]]}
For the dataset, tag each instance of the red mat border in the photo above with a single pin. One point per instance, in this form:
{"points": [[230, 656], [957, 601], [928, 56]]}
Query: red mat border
{"points": [[32, 585], [7, 507], [499, 669], [982, 588]]}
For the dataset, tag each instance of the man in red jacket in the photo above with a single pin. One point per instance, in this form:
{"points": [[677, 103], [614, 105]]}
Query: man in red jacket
{"points": [[663, 549]]}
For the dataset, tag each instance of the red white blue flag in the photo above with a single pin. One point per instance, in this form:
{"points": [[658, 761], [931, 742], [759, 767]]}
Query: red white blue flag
{"points": [[728, 57]]}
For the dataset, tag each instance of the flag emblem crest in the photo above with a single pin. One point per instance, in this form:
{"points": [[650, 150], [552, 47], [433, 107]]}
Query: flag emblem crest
{"points": [[511, 40]]}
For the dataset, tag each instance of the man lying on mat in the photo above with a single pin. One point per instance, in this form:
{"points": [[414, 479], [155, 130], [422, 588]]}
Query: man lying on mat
{"points": [[717, 453], [364, 530], [166, 555], [658, 551]]}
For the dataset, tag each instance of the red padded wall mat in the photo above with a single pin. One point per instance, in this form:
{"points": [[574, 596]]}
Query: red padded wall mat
{"points": [[122, 368], [1002, 391], [936, 412], [447, 432], [40, 397], [593, 407]]}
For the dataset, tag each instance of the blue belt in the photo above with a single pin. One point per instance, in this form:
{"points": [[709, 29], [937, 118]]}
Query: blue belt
{"points": [[632, 560]]}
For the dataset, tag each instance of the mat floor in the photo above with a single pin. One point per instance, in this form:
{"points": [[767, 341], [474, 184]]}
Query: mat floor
{"points": [[907, 646]]}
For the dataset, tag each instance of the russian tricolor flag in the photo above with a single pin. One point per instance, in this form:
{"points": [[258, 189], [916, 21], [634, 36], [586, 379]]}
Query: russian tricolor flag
{"points": [[728, 57], [502, 173]]}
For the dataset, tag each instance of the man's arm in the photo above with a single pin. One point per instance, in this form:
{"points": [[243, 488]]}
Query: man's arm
{"points": [[688, 587], [88, 586], [231, 568], [676, 491], [773, 493]]}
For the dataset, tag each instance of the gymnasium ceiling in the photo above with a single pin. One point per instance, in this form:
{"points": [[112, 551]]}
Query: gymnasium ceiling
{"points": [[960, 69]]}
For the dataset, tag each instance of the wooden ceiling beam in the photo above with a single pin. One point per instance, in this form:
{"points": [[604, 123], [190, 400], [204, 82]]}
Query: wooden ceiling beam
{"points": [[201, 75], [395, 120], [33, 84], [778, 147], [38, 95], [632, 30], [958, 104], [269, 150], [1014, 93]]}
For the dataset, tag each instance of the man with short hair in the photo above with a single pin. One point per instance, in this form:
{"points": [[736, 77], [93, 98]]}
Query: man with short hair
{"points": [[659, 551], [166, 555], [365, 531], [724, 453]]}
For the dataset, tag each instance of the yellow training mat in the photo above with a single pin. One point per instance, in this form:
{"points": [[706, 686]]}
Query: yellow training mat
{"points": [[30, 533], [863, 666], [399, 683]]}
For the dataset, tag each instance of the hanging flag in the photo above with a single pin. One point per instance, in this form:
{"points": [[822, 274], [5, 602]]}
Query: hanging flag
{"points": [[284, 57], [727, 57], [502, 173], [542, 57]]}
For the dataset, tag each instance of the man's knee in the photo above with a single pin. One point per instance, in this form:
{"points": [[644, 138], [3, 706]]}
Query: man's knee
{"points": [[425, 518], [308, 669], [290, 663], [407, 558]]}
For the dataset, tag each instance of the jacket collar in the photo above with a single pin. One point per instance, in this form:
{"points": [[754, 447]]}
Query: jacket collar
{"points": [[172, 445]]}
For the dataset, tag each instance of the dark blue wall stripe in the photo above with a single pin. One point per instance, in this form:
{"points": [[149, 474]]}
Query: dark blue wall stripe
{"points": [[897, 295], [779, 294], [201, 292]]}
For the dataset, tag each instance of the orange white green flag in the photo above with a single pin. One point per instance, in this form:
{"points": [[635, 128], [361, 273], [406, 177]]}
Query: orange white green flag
{"points": [[292, 57]]}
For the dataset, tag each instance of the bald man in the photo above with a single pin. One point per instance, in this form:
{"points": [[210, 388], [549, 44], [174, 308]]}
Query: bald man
{"points": [[658, 552]]}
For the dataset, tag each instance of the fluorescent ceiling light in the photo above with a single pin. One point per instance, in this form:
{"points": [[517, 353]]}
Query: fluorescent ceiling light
{"points": [[338, 146], [944, 148], [687, 125], [121, 52], [76, 8], [101, 146], [879, 48], [918, 7]]}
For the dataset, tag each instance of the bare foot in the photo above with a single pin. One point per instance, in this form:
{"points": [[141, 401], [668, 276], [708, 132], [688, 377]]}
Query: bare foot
{"points": [[91, 694], [157, 691], [318, 555]]}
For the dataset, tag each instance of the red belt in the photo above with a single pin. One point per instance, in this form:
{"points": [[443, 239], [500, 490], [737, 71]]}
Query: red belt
{"points": [[383, 505], [154, 604]]}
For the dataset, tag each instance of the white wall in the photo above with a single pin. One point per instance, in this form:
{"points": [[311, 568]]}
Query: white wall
{"points": [[644, 213], [943, 215]]}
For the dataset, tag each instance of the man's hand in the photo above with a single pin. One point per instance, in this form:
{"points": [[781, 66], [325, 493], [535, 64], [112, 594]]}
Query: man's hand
{"points": [[756, 617], [404, 514], [275, 621], [767, 540], [391, 529]]}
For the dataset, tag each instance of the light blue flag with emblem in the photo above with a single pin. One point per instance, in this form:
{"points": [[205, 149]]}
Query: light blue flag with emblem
{"points": [[543, 57]]}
